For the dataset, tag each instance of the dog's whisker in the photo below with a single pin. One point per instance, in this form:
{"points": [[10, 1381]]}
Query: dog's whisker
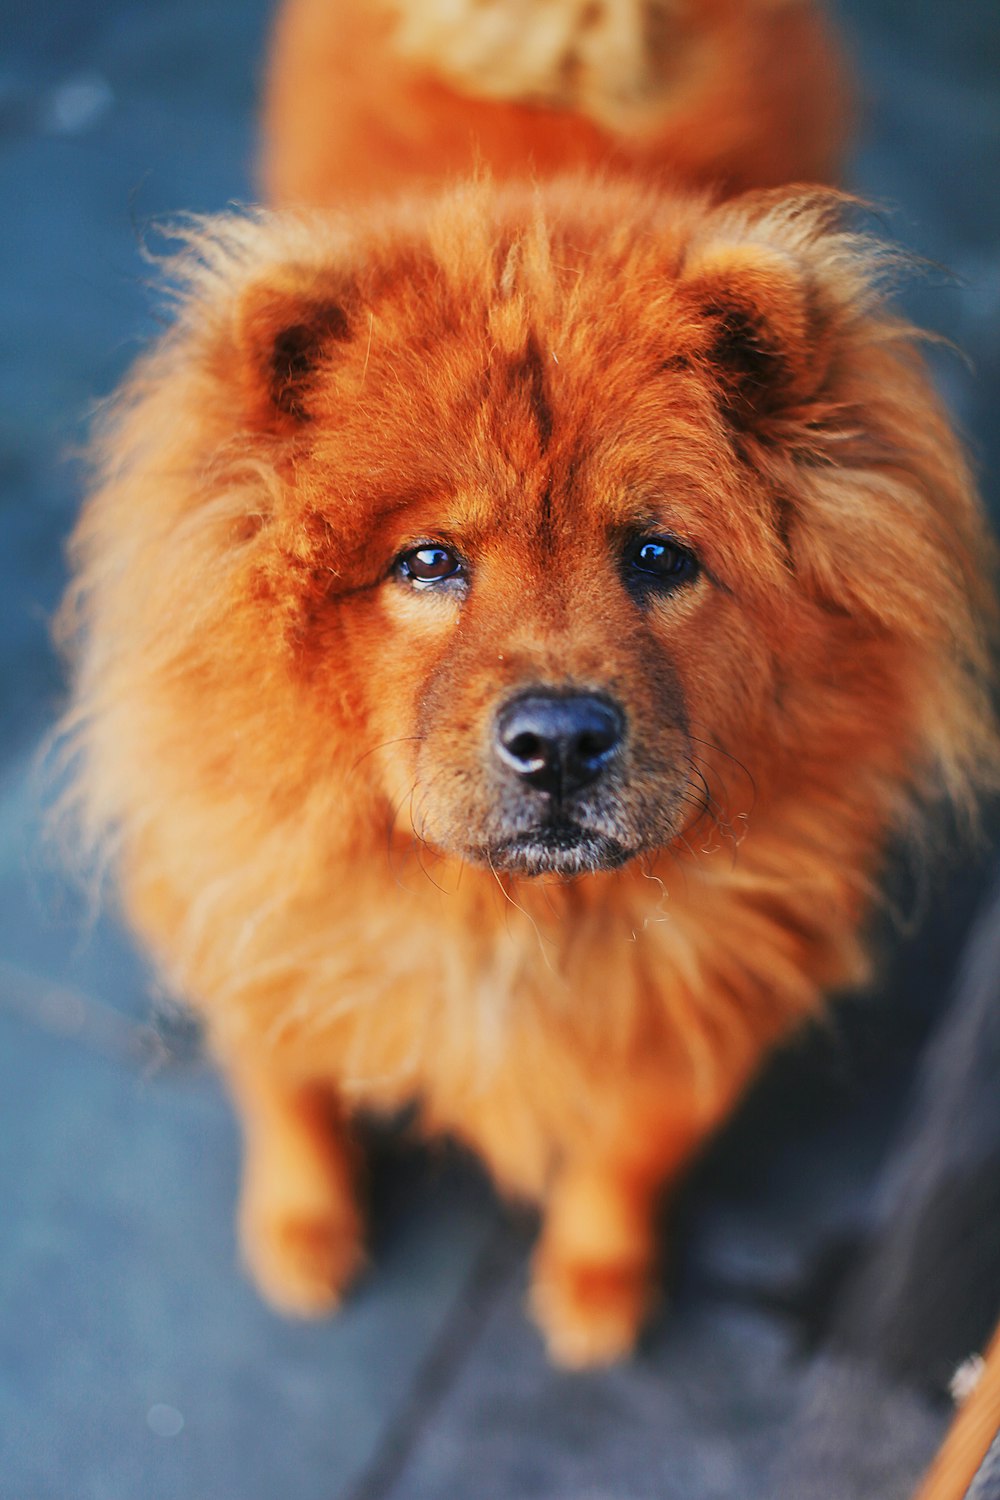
{"points": [[420, 844], [402, 739], [717, 749], [392, 852], [523, 910], [722, 821]]}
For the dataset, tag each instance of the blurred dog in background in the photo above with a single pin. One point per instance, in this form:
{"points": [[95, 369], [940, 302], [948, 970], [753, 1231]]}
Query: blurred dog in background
{"points": [[366, 97]]}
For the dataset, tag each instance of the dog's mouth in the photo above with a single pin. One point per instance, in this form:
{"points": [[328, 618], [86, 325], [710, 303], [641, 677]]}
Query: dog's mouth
{"points": [[562, 848]]}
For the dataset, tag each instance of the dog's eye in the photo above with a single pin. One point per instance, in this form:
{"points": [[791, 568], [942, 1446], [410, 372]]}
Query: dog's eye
{"points": [[430, 564], [658, 561]]}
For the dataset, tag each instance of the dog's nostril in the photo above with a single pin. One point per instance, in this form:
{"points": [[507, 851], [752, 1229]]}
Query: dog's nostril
{"points": [[527, 748], [590, 744], [558, 743]]}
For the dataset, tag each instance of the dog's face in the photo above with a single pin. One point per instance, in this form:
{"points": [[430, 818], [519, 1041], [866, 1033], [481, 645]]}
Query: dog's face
{"points": [[544, 637], [539, 562], [555, 625]]}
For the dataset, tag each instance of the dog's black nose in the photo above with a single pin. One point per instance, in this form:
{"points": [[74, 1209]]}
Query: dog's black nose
{"points": [[558, 744]]}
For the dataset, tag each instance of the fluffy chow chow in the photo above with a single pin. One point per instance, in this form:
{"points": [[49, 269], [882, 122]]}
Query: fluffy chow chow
{"points": [[507, 631], [366, 96]]}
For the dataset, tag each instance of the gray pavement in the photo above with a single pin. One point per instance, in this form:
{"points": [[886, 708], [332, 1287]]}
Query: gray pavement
{"points": [[135, 1362]]}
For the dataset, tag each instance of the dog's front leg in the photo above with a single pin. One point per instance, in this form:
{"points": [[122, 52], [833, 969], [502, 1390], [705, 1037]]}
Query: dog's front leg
{"points": [[595, 1271], [593, 1281], [300, 1227]]}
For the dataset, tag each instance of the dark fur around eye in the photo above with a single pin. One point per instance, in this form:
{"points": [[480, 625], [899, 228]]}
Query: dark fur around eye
{"points": [[658, 565], [430, 565]]}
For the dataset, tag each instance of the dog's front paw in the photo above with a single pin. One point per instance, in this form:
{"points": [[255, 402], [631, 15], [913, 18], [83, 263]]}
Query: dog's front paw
{"points": [[302, 1260], [590, 1312]]}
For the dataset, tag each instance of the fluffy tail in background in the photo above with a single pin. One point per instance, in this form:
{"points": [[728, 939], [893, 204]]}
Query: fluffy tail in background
{"points": [[366, 97]]}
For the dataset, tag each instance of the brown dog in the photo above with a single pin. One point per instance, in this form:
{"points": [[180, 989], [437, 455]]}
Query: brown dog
{"points": [[368, 96], [508, 629]]}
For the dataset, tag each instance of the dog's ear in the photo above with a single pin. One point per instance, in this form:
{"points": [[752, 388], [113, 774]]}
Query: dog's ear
{"points": [[287, 328], [758, 328]]}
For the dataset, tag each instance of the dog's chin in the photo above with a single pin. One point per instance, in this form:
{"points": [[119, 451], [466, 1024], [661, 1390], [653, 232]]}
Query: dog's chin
{"points": [[565, 850]]}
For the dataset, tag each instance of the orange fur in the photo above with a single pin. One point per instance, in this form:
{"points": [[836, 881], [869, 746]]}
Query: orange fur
{"points": [[289, 747], [366, 96]]}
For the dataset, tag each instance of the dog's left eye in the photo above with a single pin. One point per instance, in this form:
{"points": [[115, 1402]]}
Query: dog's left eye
{"points": [[430, 564], [661, 561]]}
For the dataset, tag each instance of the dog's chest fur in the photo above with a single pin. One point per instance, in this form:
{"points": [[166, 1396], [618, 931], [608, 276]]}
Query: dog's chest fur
{"points": [[524, 1019]]}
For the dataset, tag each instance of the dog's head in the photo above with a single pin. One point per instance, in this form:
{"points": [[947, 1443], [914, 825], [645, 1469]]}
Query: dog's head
{"points": [[547, 523]]}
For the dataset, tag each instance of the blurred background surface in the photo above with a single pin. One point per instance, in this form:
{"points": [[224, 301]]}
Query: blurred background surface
{"points": [[134, 1359]]}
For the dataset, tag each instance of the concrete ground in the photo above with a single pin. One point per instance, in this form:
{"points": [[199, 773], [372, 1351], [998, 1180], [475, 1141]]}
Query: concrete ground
{"points": [[134, 1359]]}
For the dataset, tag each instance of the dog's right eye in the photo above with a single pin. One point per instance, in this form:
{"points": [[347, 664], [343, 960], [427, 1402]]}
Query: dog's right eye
{"points": [[428, 565]]}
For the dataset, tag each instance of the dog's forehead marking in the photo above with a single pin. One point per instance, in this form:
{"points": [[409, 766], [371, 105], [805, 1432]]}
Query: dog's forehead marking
{"points": [[515, 388]]}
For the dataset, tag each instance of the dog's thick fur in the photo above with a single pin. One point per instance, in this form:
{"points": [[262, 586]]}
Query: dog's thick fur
{"points": [[365, 96], [290, 746]]}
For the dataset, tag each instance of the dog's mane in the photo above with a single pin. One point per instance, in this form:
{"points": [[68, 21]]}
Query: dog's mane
{"points": [[890, 545]]}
